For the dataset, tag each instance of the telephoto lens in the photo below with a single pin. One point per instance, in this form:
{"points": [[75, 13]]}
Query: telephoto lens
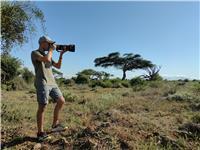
{"points": [[70, 48]]}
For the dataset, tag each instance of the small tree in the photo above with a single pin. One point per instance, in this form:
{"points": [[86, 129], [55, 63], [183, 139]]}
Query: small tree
{"points": [[152, 73], [10, 68], [27, 75], [17, 23], [127, 62]]}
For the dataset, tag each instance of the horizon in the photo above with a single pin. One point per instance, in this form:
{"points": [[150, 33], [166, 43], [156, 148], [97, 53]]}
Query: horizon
{"points": [[166, 33]]}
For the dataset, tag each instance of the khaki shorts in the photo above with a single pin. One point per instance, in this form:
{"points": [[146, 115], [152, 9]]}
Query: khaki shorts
{"points": [[44, 91]]}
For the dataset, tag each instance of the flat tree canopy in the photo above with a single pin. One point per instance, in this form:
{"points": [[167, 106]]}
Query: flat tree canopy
{"points": [[126, 62]]}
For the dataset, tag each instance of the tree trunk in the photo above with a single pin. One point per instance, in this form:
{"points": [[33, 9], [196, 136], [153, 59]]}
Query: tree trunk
{"points": [[124, 75]]}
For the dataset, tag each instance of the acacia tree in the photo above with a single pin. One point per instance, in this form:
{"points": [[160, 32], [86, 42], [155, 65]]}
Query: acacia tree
{"points": [[17, 23], [126, 62]]}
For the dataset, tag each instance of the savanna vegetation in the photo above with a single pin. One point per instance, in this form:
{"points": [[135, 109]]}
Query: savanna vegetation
{"points": [[101, 111]]}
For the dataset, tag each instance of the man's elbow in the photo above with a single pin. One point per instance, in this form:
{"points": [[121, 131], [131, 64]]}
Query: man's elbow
{"points": [[58, 67]]}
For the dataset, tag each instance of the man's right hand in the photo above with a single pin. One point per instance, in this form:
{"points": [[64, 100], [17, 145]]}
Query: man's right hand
{"points": [[52, 46]]}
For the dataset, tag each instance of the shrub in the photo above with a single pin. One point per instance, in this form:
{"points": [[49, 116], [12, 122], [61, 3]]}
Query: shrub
{"points": [[101, 83], [93, 83], [137, 84], [137, 81], [16, 84], [175, 97], [69, 82], [181, 83], [196, 88], [70, 97], [125, 83], [116, 85], [112, 83], [170, 91], [186, 80], [27, 75], [181, 97], [106, 84], [82, 79], [195, 106], [9, 68]]}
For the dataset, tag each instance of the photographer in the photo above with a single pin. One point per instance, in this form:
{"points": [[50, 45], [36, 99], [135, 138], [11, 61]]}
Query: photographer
{"points": [[45, 84]]}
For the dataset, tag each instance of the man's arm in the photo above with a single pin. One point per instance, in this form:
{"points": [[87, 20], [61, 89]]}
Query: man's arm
{"points": [[58, 64]]}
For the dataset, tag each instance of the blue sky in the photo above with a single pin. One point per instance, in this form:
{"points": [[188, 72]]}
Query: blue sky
{"points": [[167, 33]]}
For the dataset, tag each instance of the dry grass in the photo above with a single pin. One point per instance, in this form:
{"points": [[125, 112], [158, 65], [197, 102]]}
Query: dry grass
{"points": [[106, 118]]}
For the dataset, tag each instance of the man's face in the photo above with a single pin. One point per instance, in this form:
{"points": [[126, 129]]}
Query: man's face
{"points": [[45, 46]]}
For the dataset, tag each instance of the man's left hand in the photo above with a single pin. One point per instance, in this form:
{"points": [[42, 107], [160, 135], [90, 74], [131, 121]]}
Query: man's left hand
{"points": [[62, 52]]}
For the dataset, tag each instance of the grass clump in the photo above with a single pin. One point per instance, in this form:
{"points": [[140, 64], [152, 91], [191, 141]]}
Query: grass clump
{"points": [[138, 84], [69, 97], [102, 103], [196, 118], [181, 97]]}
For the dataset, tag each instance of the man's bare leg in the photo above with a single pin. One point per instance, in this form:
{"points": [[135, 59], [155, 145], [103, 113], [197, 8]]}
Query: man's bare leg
{"points": [[59, 105], [40, 117]]}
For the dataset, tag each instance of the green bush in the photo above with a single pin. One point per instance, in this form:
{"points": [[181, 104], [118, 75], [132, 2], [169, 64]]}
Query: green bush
{"points": [[27, 75], [170, 91], [70, 97], [196, 88], [186, 80], [16, 84], [138, 84], [101, 83], [110, 83], [106, 84], [82, 79], [181, 97], [125, 83], [137, 81], [69, 82], [93, 83], [116, 83], [10, 67]]}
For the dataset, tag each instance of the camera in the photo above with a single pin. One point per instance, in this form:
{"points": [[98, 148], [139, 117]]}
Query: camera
{"points": [[70, 48]]}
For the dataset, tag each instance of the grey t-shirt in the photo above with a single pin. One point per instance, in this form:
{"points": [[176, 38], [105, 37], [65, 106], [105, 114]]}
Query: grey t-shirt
{"points": [[43, 70]]}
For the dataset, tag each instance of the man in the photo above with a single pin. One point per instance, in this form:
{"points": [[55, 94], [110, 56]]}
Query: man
{"points": [[45, 84]]}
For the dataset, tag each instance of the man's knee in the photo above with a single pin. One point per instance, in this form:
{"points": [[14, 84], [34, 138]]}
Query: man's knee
{"points": [[61, 100], [41, 107]]}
